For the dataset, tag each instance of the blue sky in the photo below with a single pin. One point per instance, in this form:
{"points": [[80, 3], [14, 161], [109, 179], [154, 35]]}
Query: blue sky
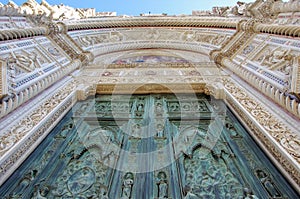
{"points": [[135, 7]]}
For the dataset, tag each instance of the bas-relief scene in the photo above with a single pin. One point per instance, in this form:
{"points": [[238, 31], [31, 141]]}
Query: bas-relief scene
{"points": [[150, 59], [148, 146]]}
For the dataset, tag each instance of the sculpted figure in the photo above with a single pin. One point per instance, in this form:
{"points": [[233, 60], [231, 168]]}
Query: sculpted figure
{"points": [[162, 185], [25, 61], [276, 58], [188, 191], [127, 186]]}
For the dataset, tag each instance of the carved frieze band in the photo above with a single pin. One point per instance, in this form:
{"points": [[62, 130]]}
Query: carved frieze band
{"points": [[280, 141], [155, 22], [150, 88], [17, 140]]}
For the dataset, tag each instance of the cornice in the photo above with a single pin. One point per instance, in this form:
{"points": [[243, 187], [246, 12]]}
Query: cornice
{"points": [[217, 22]]}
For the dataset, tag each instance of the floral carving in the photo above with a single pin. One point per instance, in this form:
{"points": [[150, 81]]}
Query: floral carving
{"points": [[284, 136]]}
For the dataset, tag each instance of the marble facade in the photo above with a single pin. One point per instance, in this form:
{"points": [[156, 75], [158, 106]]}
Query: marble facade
{"points": [[250, 59]]}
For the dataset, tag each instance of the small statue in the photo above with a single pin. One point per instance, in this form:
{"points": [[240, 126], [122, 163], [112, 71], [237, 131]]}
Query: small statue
{"points": [[127, 185], [162, 185]]}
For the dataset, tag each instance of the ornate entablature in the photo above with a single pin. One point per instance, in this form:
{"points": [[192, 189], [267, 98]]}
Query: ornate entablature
{"points": [[202, 54]]}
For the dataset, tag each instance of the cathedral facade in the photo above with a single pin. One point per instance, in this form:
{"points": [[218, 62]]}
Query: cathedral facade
{"points": [[247, 57]]}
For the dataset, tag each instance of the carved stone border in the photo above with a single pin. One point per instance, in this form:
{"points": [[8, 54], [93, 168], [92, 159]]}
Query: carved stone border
{"points": [[286, 160], [65, 99]]}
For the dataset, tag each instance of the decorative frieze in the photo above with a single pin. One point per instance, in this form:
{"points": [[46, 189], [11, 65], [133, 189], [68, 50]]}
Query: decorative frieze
{"points": [[217, 22], [278, 139], [18, 139]]}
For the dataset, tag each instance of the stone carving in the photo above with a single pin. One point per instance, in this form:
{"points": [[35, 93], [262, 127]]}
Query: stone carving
{"points": [[277, 58], [17, 132], [26, 61], [90, 40], [54, 51], [274, 128], [241, 9], [152, 34], [215, 39]]}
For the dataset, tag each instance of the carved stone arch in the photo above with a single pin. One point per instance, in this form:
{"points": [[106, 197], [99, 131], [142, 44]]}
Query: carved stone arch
{"points": [[134, 46]]}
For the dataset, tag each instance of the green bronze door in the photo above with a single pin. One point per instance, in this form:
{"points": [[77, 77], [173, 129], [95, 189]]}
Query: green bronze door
{"points": [[146, 147]]}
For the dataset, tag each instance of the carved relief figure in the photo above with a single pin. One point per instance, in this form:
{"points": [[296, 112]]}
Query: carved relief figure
{"points": [[160, 130], [127, 185], [188, 193], [162, 185], [267, 183], [277, 58], [26, 61]]}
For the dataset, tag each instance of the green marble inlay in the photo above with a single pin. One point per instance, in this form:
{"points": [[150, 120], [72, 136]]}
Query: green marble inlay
{"points": [[148, 146]]}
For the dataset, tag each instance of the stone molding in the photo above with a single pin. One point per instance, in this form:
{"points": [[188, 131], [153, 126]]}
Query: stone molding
{"points": [[21, 138], [223, 57], [275, 94], [14, 101], [216, 22], [279, 140]]}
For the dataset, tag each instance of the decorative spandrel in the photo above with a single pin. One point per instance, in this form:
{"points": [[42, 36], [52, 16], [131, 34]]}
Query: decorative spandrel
{"points": [[148, 146]]}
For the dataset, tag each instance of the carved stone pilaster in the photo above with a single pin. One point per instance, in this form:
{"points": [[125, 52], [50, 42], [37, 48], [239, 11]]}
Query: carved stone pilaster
{"points": [[84, 91], [216, 89], [3, 79], [278, 139], [217, 56]]}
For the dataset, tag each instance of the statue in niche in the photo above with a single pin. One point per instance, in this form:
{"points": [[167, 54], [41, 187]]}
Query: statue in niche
{"points": [[160, 130], [268, 184], [162, 185], [128, 181], [158, 109], [277, 58], [140, 107]]}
